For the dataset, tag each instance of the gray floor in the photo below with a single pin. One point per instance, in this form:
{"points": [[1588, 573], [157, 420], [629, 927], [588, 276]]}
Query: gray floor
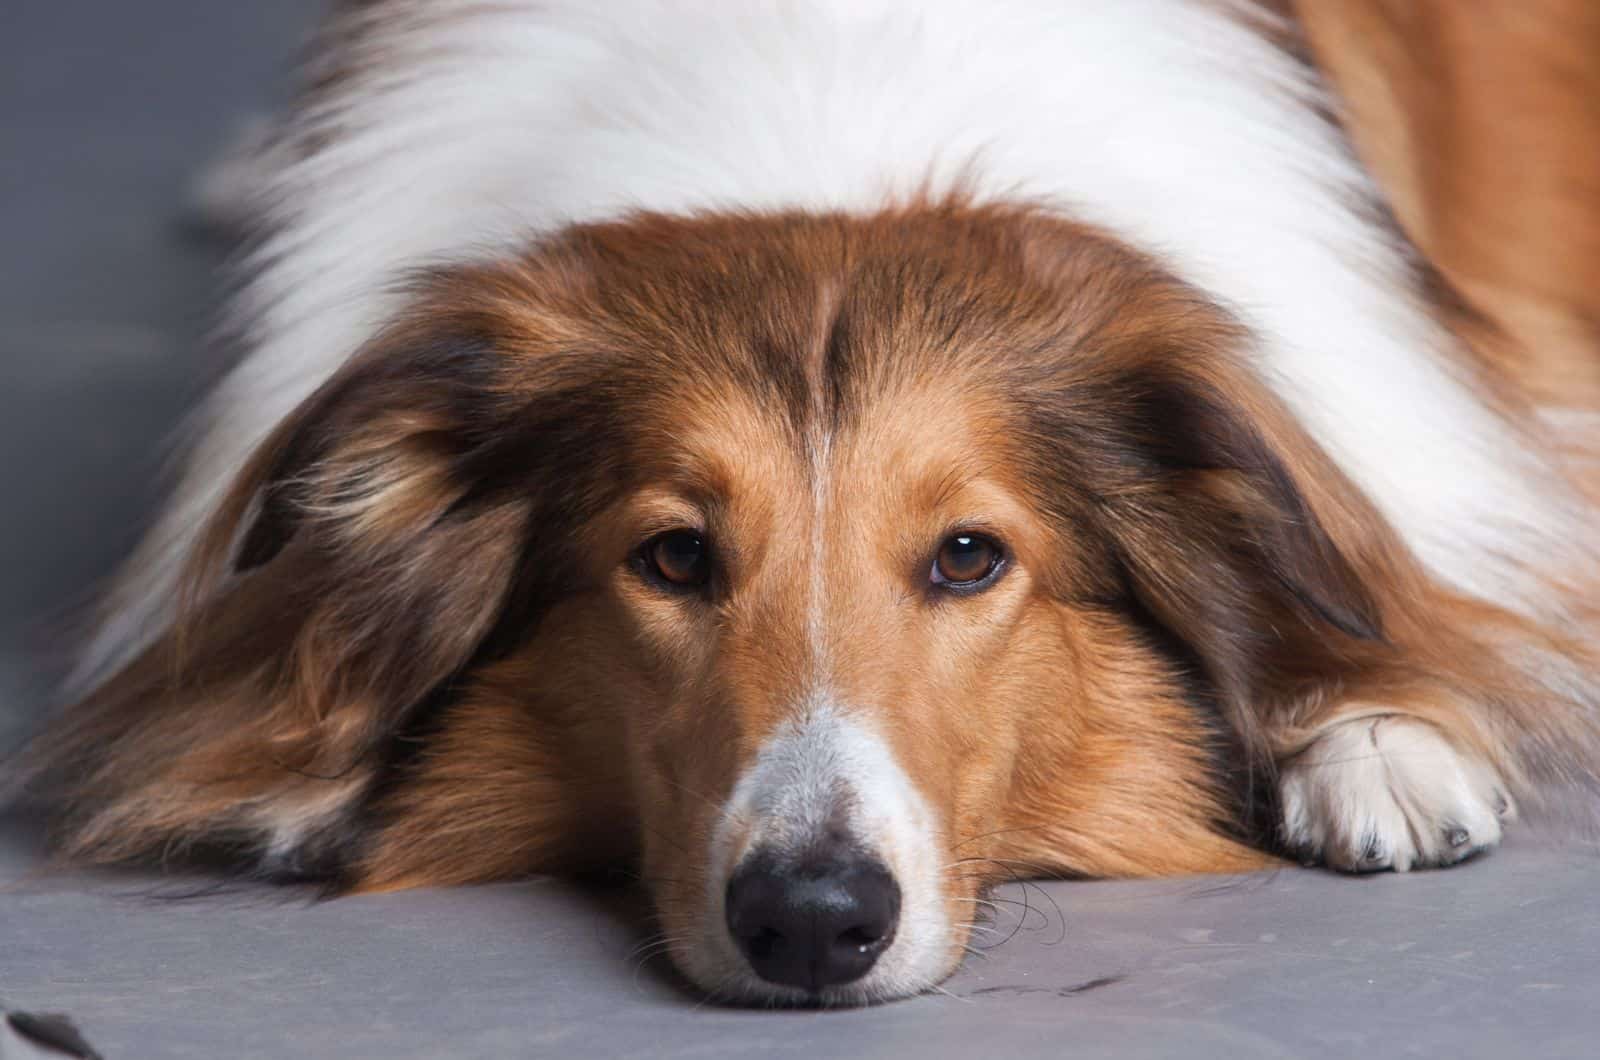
{"points": [[105, 109]]}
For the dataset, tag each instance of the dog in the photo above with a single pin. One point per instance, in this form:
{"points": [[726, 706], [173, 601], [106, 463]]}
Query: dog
{"points": [[839, 456]]}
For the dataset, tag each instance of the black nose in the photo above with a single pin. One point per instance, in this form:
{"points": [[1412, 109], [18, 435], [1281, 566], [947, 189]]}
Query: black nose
{"points": [[813, 926]]}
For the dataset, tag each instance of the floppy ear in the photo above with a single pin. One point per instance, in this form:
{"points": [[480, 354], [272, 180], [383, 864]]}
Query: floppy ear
{"points": [[1196, 525], [1218, 541], [368, 552]]}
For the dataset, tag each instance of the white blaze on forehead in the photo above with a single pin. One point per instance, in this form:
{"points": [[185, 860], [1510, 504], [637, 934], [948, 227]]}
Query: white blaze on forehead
{"points": [[821, 451], [825, 771]]}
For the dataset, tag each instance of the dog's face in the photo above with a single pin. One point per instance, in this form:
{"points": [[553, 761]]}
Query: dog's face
{"points": [[836, 634], [835, 569]]}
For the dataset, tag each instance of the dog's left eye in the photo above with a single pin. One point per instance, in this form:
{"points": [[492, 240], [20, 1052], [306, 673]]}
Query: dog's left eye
{"points": [[678, 558], [966, 561]]}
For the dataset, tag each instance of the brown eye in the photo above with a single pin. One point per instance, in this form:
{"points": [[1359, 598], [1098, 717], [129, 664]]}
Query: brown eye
{"points": [[965, 561], [680, 558]]}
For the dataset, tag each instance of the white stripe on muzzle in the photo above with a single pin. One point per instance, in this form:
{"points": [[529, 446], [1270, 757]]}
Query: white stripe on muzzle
{"points": [[821, 773]]}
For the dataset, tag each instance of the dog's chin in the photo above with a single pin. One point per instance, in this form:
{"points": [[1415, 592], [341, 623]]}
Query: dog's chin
{"points": [[726, 979]]}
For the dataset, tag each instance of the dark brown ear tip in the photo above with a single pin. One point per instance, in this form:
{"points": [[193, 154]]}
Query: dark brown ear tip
{"points": [[1350, 611], [1360, 625]]}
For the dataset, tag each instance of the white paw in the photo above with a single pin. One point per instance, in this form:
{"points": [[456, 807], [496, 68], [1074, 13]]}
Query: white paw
{"points": [[1389, 792]]}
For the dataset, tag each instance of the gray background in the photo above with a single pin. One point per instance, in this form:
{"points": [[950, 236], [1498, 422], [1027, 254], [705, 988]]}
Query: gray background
{"points": [[106, 110]]}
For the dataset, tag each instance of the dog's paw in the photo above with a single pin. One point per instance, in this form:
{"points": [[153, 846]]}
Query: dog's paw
{"points": [[1389, 792]]}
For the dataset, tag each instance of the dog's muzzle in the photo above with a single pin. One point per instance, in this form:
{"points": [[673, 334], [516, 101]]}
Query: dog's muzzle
{"points": [[825, 882]]}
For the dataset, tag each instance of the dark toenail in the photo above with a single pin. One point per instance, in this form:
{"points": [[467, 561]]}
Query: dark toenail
{"points": [[1372, 848], [1502, 805], [1456, 835]]}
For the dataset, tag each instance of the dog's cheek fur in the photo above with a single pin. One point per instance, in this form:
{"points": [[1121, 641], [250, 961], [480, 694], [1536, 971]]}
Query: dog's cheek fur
{"points": [[1060, 743], [521, 773], [1127, 782]]}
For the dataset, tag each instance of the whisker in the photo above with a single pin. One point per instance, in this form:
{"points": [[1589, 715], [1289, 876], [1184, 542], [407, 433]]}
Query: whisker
{"points": [[1009, 867], [715, 804], [937, 987], [997, 831]]}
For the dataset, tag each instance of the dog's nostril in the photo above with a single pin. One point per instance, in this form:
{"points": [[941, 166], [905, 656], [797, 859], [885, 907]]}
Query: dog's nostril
{"points": [[815, 927], [764, 942]]}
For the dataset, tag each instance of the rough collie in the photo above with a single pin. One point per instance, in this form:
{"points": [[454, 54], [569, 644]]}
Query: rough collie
{"points": [[835, 456]]}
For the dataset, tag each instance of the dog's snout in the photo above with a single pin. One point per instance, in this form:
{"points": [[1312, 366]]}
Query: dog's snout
{"points": [[813, 926]]}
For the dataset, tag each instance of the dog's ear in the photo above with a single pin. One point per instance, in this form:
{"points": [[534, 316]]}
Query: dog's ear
{"points": [[370, 551], [1193, 528], [1180, 481], [363, 511], [1219, 542]]}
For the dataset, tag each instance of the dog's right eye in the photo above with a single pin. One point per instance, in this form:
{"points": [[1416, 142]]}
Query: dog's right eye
{"points": [[967, 563], [680, 559]]}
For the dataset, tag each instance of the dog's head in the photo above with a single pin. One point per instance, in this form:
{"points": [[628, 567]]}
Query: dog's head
{"points": [[832, 568]]}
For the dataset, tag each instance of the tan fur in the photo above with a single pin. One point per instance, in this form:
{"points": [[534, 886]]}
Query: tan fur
{"points": [[1482, 120]]}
